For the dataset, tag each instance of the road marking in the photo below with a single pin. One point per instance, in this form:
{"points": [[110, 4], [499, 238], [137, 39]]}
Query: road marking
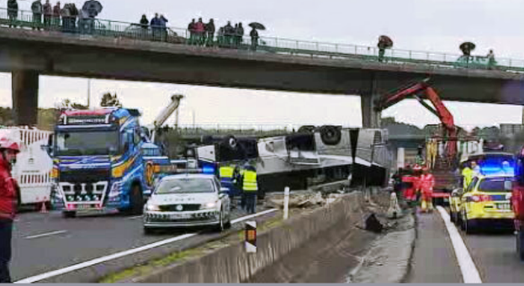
{"points": [[99, 260], [46, 234], [134, 217], [469, 271]]}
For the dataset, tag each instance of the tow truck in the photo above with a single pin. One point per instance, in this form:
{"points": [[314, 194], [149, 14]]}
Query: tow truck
{"points": [[103, 160], [443, 168]]}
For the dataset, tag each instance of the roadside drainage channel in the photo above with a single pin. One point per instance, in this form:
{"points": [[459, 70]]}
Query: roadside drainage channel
{"points": [[231, 263]]}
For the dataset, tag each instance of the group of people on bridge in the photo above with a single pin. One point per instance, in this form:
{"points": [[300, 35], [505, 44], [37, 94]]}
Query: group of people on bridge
{"points": [[56, 17]]}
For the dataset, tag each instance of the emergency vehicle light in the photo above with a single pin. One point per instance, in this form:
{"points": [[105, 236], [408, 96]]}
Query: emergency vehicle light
{"points": [[208, 170]]}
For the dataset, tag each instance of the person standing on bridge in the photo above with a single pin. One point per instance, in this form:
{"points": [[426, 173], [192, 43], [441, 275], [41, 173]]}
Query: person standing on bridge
{"points": [[155, 27], [163, 28], [144, 23], [254, 39], [56, 15], [48, 14], [37, 10], [491, 60], [210, 30], [239, 35], [200, 29], [191, 28], [12, 12], [8, 194]]}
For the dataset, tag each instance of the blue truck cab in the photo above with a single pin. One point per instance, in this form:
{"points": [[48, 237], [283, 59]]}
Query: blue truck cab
{"points": [[101, 162]]}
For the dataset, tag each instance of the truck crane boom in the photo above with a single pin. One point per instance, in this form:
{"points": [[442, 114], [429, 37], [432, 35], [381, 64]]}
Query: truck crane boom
{"points": [[164, 115], [439, 109]]}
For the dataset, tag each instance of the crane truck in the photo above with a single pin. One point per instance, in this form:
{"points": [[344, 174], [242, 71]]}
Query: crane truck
{"points": [[444, 166]]}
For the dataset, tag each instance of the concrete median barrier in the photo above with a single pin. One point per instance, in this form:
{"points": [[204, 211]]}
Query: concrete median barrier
{"points": [[231, 264]]}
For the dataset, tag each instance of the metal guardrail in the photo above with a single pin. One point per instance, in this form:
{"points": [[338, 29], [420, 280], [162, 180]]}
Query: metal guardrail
{"points": [[110, 28]]}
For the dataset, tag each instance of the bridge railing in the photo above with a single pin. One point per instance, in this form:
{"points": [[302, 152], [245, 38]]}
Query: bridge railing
{"points": [[133, 31]]}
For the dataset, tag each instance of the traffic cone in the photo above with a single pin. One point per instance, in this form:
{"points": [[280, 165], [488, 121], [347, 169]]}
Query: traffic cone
{"points": [[394, 210], [43, 209]]}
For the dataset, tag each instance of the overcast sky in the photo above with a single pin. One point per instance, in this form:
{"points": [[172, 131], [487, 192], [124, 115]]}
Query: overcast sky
{"points": [[426, 25]]}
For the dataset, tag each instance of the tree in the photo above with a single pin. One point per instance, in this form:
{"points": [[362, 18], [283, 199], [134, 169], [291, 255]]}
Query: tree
{"points": [[109, 100]]}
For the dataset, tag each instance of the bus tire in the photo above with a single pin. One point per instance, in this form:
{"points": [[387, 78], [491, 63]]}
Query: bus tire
{"points": [[136, 200]]}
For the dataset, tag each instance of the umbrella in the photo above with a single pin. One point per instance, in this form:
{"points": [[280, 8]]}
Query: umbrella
{"points": [[257, 26], [467, 47], [92, 7], [385, 42]]}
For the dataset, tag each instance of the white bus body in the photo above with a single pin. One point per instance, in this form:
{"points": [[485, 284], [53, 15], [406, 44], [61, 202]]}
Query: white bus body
{"points": [[33, 165]]}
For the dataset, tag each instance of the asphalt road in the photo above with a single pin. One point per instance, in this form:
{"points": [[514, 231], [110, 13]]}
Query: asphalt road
{"points": [[44, 242], [492, 250]]}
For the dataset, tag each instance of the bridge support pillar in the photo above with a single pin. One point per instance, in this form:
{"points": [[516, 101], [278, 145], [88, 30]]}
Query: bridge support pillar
{"points": [[370, 118], [25, 97]]}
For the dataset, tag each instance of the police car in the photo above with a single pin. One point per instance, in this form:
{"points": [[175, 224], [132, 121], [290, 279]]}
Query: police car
{"points": [[486, 201], [188, 200]]}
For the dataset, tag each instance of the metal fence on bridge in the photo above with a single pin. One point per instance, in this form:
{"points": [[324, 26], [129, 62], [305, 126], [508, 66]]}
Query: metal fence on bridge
{"points": [[134, 31]]}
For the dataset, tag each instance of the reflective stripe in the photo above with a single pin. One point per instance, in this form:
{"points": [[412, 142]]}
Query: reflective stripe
{"points": [[250, 181]]}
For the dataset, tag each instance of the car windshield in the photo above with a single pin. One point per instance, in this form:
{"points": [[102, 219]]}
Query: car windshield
{"points": [[493, 185], [185, 186], [86, 143]]}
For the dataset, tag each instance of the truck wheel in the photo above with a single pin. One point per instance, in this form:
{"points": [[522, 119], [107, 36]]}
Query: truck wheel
{"points": [[69, 214], [136, 200]]}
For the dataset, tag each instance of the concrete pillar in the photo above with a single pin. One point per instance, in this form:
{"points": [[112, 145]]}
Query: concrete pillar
{"points": [[25, 97], [370, 118]]}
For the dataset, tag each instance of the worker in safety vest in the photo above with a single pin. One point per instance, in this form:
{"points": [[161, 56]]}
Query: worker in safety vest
{"points": [[427, 182], [8, 194], [408, 186], [417, 173], [226, 178], [250, 188], [467, 176]]}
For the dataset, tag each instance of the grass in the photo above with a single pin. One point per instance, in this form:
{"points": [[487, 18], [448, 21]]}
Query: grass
{"points": [[188, 254]]}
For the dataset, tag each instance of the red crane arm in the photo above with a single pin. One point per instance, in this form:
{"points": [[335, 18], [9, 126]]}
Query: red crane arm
{"points": [[439, 109]]}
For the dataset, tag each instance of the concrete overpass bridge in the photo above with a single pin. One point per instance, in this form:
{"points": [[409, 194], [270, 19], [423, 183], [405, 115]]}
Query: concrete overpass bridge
{"points": [[120, 51]]}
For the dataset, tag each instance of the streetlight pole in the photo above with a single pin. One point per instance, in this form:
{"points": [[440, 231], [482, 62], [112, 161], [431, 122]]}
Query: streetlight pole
{"points": [[88, 92]]}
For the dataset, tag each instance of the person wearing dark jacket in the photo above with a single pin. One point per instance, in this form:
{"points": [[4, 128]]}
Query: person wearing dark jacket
{"points": [[191, 28], [163, 28], [48, 14], [254, 39], [239, 34], [155, 26], [229, 31], [210, 30], [12, 12], [37, 10], [8, 199], [144, 22], [56, 15]]}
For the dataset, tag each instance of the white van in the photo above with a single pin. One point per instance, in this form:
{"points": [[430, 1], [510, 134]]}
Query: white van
{"points": [[33, 165]]}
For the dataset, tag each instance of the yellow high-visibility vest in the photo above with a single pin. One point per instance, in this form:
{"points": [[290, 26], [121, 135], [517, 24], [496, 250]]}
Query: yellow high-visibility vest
{"points": [[226, 172], [467, 173], [250, 181]]}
